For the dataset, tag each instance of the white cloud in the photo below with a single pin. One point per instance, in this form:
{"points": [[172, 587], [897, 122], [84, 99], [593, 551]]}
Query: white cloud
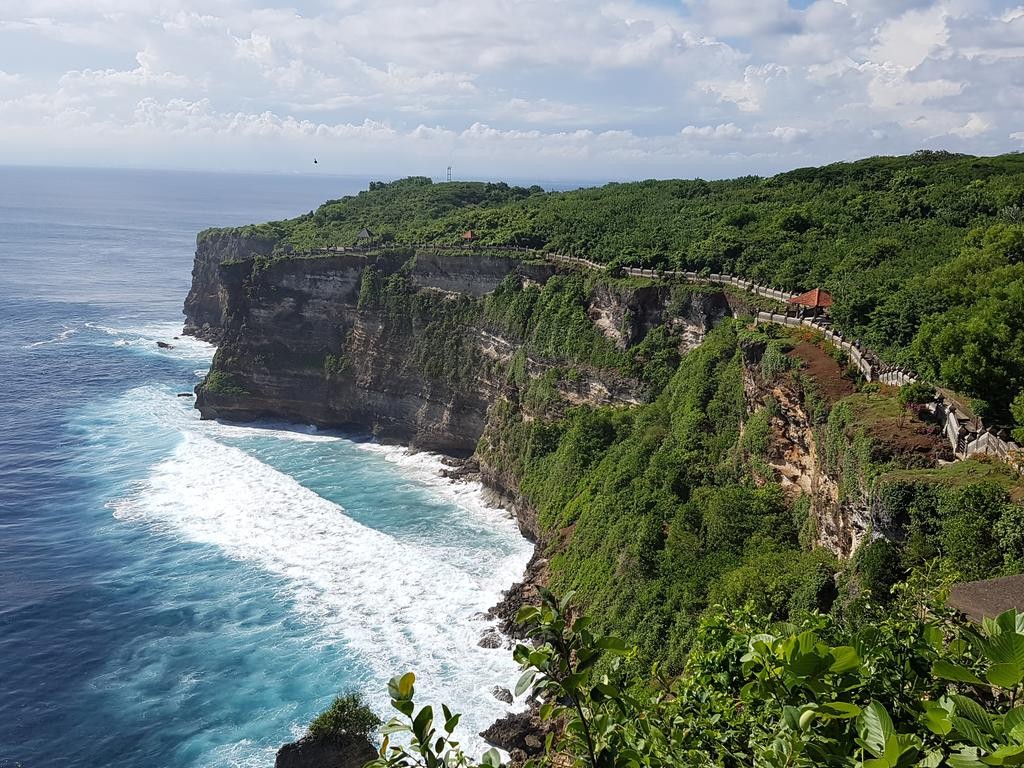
{"points": [[975, 126], [757, 84], [720, 131]]}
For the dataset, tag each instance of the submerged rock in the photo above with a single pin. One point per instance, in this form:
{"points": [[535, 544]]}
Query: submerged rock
{"points": [[313, 752], [164, 345], [491, 638], [186, 394]]}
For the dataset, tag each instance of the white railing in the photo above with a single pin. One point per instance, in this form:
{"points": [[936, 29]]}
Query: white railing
{"points": [[968, 437]]}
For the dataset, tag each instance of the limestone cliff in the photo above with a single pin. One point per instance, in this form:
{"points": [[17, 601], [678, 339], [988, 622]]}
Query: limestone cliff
{"points": [[835, 463], [204, 305], [794, 460], [394, 343]]}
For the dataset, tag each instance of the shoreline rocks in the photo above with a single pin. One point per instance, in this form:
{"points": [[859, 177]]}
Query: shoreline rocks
{"points": [[313, 752]]}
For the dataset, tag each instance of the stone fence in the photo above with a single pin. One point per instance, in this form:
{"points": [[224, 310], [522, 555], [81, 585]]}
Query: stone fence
{"points": [[967, 436]]}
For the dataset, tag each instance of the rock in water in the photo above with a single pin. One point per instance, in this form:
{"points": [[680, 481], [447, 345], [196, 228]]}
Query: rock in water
{"points": [[164, 345], [521, 734], [491, 638], [312, 752], [502, 694]]}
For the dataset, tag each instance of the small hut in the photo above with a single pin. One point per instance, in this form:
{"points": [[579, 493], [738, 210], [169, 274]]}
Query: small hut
{"points": [[468, 236], [816, 300], [365, 235]]}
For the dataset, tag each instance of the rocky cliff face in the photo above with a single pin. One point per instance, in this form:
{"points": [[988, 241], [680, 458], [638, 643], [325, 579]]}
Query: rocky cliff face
{"points": [[204, 305], [793, 459], [332, 341], [397, 345]]}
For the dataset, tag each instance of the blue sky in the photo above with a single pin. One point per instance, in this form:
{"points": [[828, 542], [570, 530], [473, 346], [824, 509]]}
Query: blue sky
{"points": [[506, 88]]}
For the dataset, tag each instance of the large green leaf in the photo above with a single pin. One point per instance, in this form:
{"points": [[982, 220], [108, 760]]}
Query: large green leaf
{"points": [[421, 725], [525, 681], [970, 732], [1009, 754], [839, 710], [844, 659], [1011, 621], [937, 719], [973, 711], [949, 671], [875, 727], [405, 685], [968, 757], [901, 749], [1006, 675], [1013, 724], [1005, 648]]}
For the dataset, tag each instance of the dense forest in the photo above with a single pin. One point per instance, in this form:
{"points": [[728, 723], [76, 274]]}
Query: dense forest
{"points": [[722, 631], [923, 254]]}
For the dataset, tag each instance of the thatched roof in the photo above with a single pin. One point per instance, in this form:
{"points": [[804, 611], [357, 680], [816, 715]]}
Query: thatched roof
{"points": [[978, 599], [365, 234]]}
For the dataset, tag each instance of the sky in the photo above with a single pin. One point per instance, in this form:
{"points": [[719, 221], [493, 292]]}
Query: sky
{"points": [[518, 89]]}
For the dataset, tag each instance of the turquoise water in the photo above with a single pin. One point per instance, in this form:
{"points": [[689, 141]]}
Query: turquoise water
{"points": [[185, 593]]}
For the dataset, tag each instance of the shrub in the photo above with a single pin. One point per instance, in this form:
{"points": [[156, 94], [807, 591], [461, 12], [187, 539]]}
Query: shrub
{"points": [[348, 715], [775, 360], [223, 383], [1018, 414], [916, 393]]}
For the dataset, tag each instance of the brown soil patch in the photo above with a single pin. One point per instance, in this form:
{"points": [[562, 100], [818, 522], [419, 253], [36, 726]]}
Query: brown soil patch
{"points": [[914, 442], [824, 370]]}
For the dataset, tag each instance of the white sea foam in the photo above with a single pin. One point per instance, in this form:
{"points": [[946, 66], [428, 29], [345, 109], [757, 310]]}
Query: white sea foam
{"points": [[427, 470], [64, 335], [144, 338], [398, 604]]}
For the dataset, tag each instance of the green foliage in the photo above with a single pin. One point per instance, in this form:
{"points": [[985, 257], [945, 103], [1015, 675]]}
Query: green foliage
{"points": [[757, 433], [656, 516], [428, 746], [335, 365], [910, 687], [550, 320], [223, 383], [775, 360], [916, 393], [923, 254], [347, 715], [974, 527], [1018, 415]]}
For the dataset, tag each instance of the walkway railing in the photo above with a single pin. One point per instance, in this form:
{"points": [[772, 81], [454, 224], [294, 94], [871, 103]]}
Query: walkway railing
{"points": [[967, 436]]}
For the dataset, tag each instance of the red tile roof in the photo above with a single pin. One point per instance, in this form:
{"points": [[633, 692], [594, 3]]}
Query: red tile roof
{"points": [[813, 299]]}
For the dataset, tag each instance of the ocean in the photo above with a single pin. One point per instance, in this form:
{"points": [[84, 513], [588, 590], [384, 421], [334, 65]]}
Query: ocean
{"points": [[177, 593]]}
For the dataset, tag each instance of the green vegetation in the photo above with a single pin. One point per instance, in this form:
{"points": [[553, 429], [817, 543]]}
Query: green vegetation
{"points": [[223, 383], [665, 520], [442, 329], [912, 687], [348, 715], [924, 254], [661, 518]]}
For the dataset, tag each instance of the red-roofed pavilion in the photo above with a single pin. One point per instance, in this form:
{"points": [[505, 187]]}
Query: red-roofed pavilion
{"points": [[816, 300], [469, 235]]}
